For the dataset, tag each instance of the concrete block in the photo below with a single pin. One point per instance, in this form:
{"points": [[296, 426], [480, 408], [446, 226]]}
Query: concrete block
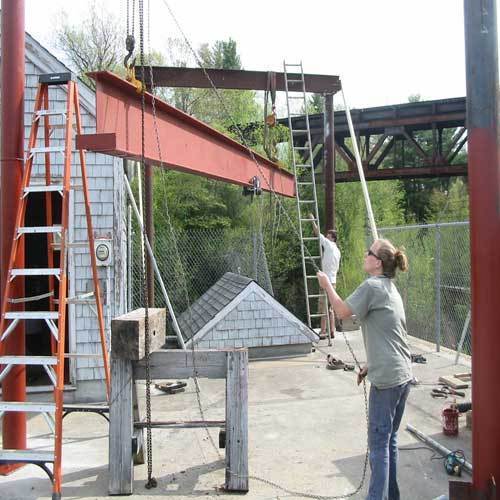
{"points": [[267, 341], [243, 334]]}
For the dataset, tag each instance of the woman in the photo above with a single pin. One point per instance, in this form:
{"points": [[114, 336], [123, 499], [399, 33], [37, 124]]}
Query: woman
{"points": [[378, 305]]}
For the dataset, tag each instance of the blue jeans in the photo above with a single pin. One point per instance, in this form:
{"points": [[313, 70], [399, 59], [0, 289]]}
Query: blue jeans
{"points": [[385, 412]]}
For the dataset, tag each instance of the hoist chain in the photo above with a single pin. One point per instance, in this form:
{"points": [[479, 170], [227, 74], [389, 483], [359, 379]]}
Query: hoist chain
{"points": [[151, 482]]}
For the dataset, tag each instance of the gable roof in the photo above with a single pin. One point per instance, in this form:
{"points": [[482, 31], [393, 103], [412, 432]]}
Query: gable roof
{"points": [[224, 296], [213, 301], [47, 62]]}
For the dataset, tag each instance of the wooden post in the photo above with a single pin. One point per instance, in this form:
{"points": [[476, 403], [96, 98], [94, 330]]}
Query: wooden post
{"points": [[237, 420], [121, 428]]}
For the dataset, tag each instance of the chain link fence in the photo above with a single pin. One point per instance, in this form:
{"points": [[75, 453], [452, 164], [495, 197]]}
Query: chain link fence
{"points": [[190, 262], [436, 289]]}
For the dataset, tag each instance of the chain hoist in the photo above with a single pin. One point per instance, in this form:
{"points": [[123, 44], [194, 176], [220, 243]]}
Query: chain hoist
{"points": [[129, 60], [151, 482]]}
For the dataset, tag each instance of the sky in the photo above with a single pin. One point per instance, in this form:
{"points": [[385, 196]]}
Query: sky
{"points": [[383, 50]]}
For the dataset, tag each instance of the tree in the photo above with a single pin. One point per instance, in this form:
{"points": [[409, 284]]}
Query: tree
{"points": [[95, 44]]}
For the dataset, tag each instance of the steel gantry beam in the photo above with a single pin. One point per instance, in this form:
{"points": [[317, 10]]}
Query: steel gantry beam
{"points": [[174, 139], [164, 76]]}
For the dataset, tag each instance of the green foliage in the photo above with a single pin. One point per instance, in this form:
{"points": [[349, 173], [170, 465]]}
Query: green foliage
{"points": [[95, 44]]}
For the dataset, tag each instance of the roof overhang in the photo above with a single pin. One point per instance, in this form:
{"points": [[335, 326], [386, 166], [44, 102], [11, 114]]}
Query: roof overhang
{"points": [[186, 143]]}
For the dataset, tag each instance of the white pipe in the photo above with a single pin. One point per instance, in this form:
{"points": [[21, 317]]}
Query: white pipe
{"points": [[438, 447], [155, 265], [368, 204]]}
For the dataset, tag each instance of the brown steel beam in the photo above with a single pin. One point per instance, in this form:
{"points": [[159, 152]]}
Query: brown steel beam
{"points": [[402, 173], [187, 144], [164, 76]]}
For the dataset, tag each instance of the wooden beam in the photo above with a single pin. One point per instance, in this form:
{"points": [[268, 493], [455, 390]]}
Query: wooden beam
{"points": [[128, 333], [121, 428], [187, 144], [237, 421], [180, 364]]}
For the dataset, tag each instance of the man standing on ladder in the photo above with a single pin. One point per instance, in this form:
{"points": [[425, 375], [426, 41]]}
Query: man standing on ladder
{"points": [[330, 263]]}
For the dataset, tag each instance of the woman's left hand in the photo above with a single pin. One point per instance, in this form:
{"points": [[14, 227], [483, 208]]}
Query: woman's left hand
{"points": [[323, 279]]}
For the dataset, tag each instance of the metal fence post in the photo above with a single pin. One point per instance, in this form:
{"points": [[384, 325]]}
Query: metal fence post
{"points": [[437, 264]]}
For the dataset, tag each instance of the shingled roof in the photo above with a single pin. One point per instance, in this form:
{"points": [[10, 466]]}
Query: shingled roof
{"points": [[214, 300]]}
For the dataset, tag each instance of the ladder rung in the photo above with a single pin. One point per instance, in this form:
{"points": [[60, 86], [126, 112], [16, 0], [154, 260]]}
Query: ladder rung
{"points": [[36, 272], [32, 315], [315, 296], [312, 277], [304, 165], [308, 220], [311, 238], [48, 149], [296, 97], [304, 183], [301, 131], [28, 360], [43, 188], [312, 257], [27, 406], [293, 65], [301, 147], [26, 456], [306, 201], [50, 112], [39, 229], [294, 81], [82, 355], [317, 315]]}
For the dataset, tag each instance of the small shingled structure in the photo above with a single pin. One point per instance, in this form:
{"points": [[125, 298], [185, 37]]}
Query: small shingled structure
{"points": [[237, 312]]}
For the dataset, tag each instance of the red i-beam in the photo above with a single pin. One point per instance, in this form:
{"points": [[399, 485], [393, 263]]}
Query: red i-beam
{"points": [[174, 139], [12, 145]]}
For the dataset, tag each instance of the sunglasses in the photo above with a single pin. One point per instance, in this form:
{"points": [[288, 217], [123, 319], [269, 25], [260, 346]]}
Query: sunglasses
{"points": [[369, 252]]}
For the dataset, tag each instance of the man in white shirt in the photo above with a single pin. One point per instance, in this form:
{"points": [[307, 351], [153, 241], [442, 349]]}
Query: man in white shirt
{"points": [[330, 263]]}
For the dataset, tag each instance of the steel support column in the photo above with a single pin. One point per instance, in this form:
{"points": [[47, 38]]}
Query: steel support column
{"points": [[12, 151], [329, 163], [481, 46]]}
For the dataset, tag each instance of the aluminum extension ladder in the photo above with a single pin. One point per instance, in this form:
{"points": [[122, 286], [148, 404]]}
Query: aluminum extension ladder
{"points": [[54, 274], [307, 201]]}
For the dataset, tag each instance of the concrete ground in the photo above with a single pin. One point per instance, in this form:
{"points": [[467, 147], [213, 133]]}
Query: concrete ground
{"points": [[307, 433]]}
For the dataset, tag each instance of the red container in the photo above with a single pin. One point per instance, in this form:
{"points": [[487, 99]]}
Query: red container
{"points": [[450, 421]]}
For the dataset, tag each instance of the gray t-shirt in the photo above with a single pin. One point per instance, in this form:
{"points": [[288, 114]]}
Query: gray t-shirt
{"points": [[378, 305]]}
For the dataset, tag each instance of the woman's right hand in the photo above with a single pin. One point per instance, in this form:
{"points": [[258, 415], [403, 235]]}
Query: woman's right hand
{"points": [[362, 374]]}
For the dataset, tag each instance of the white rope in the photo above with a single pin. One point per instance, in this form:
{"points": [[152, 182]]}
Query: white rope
{"points": [[366, 195]]}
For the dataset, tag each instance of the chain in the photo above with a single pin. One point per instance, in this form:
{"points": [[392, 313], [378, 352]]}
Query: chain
{"points": [[133, 17], [178, 257], [151, 483], [285, 212]]}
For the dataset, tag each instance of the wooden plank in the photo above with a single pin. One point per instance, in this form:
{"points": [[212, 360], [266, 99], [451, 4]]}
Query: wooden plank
{"points": [[465, 377], [237, 420], [453, 382], [121, 470], [180, 364], [128, 333]]}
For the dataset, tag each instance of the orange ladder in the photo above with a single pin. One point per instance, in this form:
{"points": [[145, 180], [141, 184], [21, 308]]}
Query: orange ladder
{"points": [[55, 317]]}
